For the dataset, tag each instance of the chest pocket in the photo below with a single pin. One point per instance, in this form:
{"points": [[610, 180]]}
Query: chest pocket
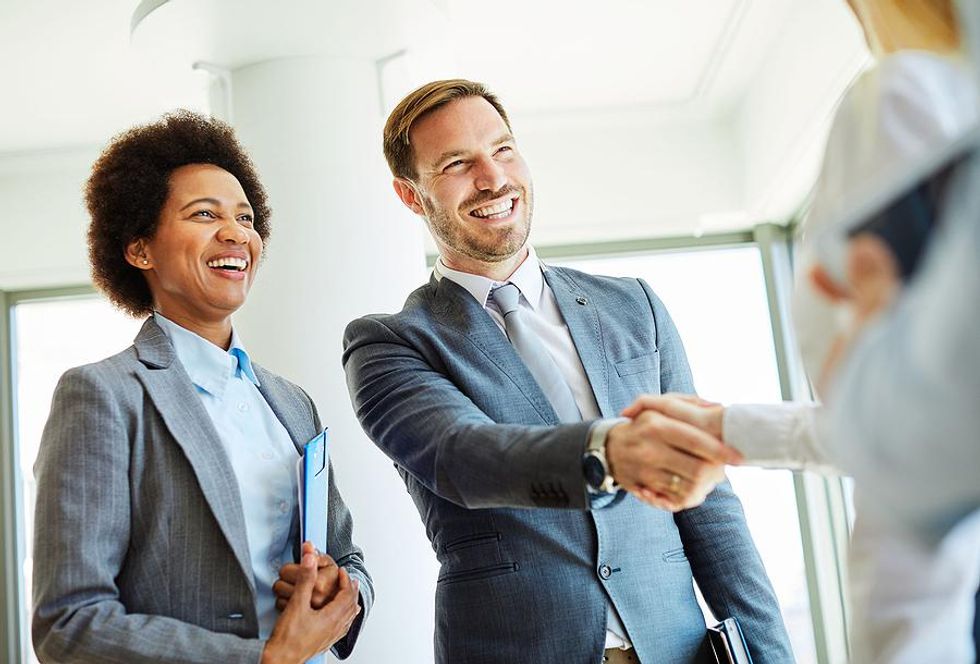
{"points": [[641, 374], [638, 365]]}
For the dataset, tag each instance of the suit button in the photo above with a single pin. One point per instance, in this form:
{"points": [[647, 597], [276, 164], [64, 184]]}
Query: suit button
{"points": [[605, 571]]}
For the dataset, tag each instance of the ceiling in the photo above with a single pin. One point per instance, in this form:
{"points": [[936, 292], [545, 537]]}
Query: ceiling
{"points": [[68, 76], [72, 75]]}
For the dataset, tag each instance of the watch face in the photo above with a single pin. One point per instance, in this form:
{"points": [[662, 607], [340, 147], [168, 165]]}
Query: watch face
{"points": [[595, 471]]}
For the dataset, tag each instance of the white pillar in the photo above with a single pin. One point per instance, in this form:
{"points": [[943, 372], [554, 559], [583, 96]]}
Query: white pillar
{"points": [[341, 247]]}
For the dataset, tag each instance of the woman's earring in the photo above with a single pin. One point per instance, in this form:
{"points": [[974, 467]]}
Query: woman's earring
{"points": [[146, 262]]}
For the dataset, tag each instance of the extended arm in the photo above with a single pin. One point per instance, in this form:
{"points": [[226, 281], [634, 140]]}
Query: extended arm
{"points": [[777, 435], [772, 435], [423, 422]]}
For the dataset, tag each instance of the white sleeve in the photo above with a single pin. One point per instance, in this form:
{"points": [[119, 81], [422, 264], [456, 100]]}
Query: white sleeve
{"points": [[778, 435]]}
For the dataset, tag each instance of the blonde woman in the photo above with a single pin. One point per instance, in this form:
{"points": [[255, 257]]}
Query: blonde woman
{"points": [[911, 602]]}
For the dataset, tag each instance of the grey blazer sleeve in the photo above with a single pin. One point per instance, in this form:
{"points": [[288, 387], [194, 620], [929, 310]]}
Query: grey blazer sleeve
{"points": [[340, 541], [723, 558], [422, 421], [80, 547]]}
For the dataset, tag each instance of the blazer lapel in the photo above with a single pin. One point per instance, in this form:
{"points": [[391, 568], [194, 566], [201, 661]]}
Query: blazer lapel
{"points": [[174, 396], [456, 309], [582, 318], [298, 422]]}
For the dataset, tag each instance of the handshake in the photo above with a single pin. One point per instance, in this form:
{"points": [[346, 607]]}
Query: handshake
{"points": [[670, 454]]}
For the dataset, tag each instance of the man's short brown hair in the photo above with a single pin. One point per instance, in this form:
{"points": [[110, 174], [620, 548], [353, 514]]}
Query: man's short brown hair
{"points": [[397, 146]]}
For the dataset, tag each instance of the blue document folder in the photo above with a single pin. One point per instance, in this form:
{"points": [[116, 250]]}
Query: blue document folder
{"points": [[313, 486], [313, 492]]}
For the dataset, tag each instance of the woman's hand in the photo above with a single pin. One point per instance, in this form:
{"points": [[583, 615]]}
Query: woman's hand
{"points": [[325, 587], [302, 631]]}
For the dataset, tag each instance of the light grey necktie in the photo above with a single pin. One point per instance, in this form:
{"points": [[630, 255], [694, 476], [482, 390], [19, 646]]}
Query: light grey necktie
{"points": [[535, 355], [546, 372]]}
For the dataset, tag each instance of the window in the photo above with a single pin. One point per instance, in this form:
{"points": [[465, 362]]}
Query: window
{"points": [[717, 298], [49, 337]]}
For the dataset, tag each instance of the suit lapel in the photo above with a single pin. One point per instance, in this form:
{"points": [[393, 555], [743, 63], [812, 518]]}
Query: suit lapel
{"points": [[174, 396], [298, 422], [582, 318], [456, 309]]}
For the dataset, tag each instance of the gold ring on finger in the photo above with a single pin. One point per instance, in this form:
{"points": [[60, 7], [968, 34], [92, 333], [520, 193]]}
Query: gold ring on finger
{"points": [[675, 483]]}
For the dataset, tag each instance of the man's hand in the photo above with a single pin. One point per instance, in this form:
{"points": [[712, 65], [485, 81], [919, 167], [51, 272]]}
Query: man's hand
{"points": [[302, 632], [325, 587], [688, 408], [663, 461]]}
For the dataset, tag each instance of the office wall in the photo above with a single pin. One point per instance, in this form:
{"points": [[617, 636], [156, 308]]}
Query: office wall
{"points": [[783, 118], [630, 174], [340, 249], [42, 223], [597, 177]]}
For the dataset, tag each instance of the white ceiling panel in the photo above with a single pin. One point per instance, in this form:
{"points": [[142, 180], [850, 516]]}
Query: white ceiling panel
{"points": [[68, 77], [581, 55]]}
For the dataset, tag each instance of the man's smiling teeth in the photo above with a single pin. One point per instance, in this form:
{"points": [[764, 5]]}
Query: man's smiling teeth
{"points": [[235, 263], [498, 211]]}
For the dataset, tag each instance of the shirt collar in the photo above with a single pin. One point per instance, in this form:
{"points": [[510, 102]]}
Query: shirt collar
{"points": [[527, 277], [209, 367]]}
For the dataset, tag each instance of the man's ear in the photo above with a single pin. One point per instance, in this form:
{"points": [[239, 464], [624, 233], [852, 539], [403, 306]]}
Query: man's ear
{"points": [[408, 194], [136, 255]]}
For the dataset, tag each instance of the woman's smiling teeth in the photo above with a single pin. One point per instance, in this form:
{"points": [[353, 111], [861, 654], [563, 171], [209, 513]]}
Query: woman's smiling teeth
{"points": [[229, 263], [498, 211]]}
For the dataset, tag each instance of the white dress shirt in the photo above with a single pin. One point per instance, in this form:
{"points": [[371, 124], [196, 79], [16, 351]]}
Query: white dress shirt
{"points": [[541, 314], [261, 453]]}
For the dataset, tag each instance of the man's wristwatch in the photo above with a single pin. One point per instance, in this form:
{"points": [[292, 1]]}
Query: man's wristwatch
{"points": [[594, 464]]}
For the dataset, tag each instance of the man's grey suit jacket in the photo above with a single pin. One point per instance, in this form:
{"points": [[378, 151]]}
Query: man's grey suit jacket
{"points": [[526, 565], [140, 548]]}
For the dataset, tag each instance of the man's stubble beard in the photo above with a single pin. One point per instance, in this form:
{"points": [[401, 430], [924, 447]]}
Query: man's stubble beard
{"points": [[502, 243]]}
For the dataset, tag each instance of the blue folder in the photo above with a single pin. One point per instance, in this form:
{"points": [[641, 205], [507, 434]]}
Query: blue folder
{"points": [[313, 492], [313, 486]]}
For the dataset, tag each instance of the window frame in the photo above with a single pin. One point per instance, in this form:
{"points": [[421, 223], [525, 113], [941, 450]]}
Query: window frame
{"points": [[820, 500], [12, 647]]}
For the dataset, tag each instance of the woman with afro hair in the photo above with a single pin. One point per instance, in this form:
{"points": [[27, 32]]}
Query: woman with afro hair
{"points": [[167, 501]]}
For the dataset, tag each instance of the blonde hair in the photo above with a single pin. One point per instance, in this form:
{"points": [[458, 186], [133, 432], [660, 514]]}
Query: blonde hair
{"points": [[431, 96], [923, 24]]}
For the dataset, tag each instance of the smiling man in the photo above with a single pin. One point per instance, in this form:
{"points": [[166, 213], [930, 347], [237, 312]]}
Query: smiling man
{"points": [[565, 533]]}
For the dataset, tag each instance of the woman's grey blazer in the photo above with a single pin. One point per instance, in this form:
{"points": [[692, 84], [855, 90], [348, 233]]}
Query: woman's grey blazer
{"points": [[140, 548]]}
